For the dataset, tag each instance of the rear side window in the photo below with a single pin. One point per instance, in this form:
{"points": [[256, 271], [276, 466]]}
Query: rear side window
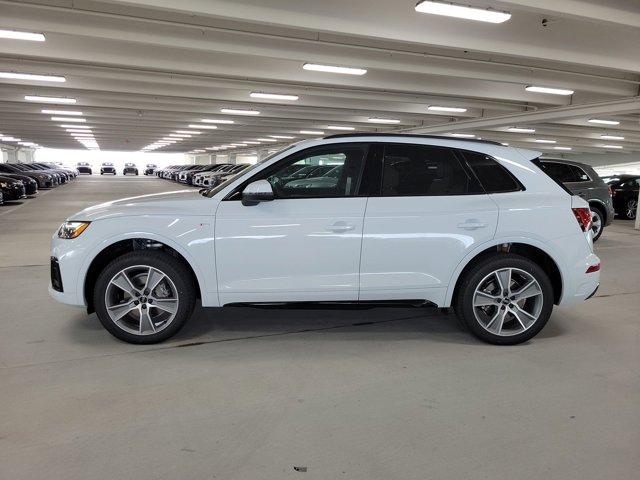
{"points": [[493, 176], [420, 170], [580, 174], [564, 172]]}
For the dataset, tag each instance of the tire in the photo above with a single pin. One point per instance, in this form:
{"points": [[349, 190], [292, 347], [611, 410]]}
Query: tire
{"points": [[175, 291], [597, 214], [494, 322], [630, 209]]}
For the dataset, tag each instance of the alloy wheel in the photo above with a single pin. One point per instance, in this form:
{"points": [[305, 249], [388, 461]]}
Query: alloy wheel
{"points": [[596, 223], [141, 300], [507, 302], [632, 207]]}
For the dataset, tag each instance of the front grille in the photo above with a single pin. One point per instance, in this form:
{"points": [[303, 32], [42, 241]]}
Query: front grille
{"points": [[56, 277]]}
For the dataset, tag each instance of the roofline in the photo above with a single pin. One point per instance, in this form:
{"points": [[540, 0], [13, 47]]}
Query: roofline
{"points": [[415, 135]]}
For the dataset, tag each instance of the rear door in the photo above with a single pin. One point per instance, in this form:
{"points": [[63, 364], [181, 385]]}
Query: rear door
{"points": [[429, 212]]}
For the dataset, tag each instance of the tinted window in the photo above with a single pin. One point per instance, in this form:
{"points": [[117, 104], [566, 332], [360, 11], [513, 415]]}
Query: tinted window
{"points": [[493, 176], [332, 171], [416, 170], [579, 174], [559, 171]]}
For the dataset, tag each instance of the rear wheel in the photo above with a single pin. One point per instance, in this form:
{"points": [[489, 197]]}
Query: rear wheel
{"points": [[597, 222], [505, 299], [144, 297], [631, 208]]}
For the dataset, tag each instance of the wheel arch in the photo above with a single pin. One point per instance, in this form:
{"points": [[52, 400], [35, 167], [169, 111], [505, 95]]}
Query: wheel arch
{"points": [[524, 247], [601, 206], [118, 247]]}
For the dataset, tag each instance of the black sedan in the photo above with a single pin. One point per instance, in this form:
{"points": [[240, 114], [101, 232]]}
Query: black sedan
{"points": [[12, 189], [130, 168], [30, 185], [107, 167], [43, 179], [624, 193], [61, 175], [84, 167]]}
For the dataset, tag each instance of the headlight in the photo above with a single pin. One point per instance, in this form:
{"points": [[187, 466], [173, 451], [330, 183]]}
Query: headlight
{"points": [[71, 230], [4, 184]]}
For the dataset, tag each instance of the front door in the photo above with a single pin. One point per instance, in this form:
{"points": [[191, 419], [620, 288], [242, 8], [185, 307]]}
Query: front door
{"points": [[305, 244]]}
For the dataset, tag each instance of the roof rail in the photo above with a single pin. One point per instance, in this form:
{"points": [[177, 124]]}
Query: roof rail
{"points": [[416, 135]]}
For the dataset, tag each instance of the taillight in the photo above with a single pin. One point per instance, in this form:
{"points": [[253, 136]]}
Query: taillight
{"points": [[583, 216], [610, 190], [593, 268]]}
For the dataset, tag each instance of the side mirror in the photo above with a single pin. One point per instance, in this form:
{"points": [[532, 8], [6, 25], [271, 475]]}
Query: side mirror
{"points": [[256, 192]]}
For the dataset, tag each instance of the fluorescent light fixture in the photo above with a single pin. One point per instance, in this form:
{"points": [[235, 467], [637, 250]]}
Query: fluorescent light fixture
{"points": [[505, 144], [383, 120], [311, 132], [521, 130], [69, 125], [235, 111], [542, 140], [462, 11], [180, 135], [206, 127], [285, 137], [549, 90], [172, 138], [334, 69], [251, 142], [18, 35], [78, 130], [82, 135], [562, 148], [611, 137], [27, 144], [274, 96], [436, 108], [42, 99], [600, 121], [267, 139], [188, 132], [339, 127], [32, 76], [229, 146], [61, 112], [463, 135], [199, 151], [216, 120], [10, 139], [239, 144], [616, 147], [68, 119]]}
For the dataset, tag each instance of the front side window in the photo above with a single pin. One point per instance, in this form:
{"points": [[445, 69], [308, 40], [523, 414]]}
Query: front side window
{"points": [[332, 171], [420, 170]]}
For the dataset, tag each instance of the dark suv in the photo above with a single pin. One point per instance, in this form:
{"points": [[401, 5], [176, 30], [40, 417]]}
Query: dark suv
{"points": [[582, 180], [130, 168], [624, 189]]}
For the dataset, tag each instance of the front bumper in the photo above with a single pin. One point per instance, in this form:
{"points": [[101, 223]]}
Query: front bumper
{"points": [[14, 192]]}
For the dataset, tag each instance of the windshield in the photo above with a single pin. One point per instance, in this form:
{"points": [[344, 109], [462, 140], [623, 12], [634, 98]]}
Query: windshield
{"points": [[212, 191]]}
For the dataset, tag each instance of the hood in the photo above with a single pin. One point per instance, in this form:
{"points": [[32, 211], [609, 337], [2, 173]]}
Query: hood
{"points": [[9, 180], [181, 202]]}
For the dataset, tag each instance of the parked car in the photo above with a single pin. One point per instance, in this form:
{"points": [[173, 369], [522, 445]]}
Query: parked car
{"points": [[43, 179], [624, 191], [186, 175], [58, 177], [203, 178], [413, 219], [71, 173], [130, 168], [582, 180], [107, 167], [150, 169], [12, 189], [85, 168], [212, 179], [30, 185]]}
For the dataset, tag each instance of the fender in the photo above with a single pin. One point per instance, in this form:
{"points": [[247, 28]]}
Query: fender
{"points": [[209, 296], [545, 247]]}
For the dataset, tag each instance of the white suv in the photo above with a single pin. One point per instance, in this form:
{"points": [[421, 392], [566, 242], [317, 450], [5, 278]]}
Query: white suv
{"points": [[345, 219]]}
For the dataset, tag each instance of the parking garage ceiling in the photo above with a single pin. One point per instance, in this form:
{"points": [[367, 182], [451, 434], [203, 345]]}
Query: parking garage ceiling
{"points": [[141, 71]]}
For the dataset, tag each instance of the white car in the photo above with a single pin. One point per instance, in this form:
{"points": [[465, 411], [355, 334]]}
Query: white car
{"points": [[411, 220]]}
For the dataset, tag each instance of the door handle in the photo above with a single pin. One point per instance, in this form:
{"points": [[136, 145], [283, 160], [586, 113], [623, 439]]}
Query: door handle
{"points": [[472, 225], [340, 227]]}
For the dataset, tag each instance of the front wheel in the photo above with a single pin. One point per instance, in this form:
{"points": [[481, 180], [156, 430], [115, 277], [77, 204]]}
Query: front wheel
{"points": [[144, 297], [505, 299]]}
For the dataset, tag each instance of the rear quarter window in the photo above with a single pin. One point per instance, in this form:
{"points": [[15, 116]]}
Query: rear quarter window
{"points": [[493, 176]]}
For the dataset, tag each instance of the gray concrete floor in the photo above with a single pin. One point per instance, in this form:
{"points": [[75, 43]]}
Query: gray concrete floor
{"points": [[251, 394]]}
